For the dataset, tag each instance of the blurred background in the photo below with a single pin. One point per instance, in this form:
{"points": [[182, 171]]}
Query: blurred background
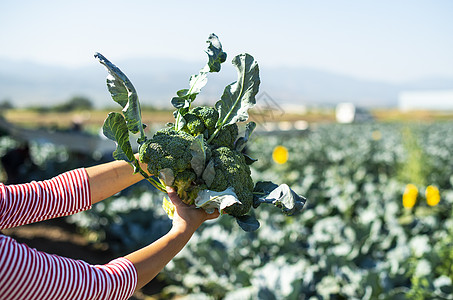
{"points": [[354, 112], [310, 53]]}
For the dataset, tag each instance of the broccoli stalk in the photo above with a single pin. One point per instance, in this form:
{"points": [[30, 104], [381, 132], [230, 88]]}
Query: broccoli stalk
{"points": [[185, 186]]}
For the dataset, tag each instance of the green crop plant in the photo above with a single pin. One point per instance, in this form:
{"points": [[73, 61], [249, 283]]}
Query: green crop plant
{"points": [[200, 154]]}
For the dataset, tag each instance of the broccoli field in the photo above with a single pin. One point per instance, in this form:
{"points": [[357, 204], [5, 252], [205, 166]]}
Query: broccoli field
{"points": [[363, 234]]}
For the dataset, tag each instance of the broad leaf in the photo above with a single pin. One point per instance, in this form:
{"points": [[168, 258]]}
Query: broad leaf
{"points": [[248, 223], [123, 92], [182, 93], [216, 56], [210, 200], [198, 152], [115, 129], [239, 96], [242, 141], [167, 176], [281, 196], [179, 102], [209, 173], [261, 190], [179, 119], [215, 53], [197, 82], [249, 160], [289, 201]]}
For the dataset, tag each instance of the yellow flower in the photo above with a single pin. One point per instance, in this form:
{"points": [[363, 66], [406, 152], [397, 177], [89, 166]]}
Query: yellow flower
{"points": [[280, 155], [432, 195], [410, 196], [376, 135]]}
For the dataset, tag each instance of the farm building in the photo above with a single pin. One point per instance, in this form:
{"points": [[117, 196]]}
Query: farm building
{"points": [[347, 112], [429, 100]]}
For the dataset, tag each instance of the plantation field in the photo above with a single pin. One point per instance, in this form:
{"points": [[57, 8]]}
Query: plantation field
{"points": [[377, 224], [90, 119], [94, 119]]}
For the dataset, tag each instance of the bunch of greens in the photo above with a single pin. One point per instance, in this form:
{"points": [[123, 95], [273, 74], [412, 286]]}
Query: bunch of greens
{"points": [[200, 154]]}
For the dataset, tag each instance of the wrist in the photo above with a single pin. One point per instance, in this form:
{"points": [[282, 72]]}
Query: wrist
{"points": [[183, 229]]}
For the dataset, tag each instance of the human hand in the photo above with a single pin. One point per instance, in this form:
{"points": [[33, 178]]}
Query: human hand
{"points": [[187, 218]]}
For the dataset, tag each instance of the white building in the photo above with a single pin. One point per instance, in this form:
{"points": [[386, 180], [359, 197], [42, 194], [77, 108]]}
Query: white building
{"points": [[426, 100], [347, 112]]}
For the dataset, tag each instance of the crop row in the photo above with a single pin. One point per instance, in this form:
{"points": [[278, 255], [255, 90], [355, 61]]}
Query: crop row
{"points": [[354, 240]]}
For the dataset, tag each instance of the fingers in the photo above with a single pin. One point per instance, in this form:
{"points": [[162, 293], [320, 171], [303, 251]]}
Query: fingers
{"points": [[174, 196], [177, 202]]}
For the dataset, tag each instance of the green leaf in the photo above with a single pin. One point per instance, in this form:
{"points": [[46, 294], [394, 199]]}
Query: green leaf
{"points": [[182, 93], [210, 200], [249, 160], [216, 56], [197, 82], [215, 53], [209, 173], [115, 129], [167, 176], [281, 196], [180, 122], [242, 141], [261, 190], [179, 102], [248, 223], [123, 92], [239, 96], [198, 152], [289, 201]]}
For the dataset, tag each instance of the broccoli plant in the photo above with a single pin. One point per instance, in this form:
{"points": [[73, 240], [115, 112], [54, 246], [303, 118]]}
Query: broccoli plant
{"points": [[200, 154]]}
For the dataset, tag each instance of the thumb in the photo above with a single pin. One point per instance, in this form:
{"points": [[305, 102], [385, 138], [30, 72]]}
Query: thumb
{"points": [[174, 196]]}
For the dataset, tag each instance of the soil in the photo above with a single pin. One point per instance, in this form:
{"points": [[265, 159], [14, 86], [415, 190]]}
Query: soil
{"points": [[61, 238]]}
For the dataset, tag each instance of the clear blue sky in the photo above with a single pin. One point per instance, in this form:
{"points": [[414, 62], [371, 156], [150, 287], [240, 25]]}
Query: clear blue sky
{"points": [[388, 40]]}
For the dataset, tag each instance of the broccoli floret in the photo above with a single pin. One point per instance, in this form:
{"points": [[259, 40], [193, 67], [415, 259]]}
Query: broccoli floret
{"points": [[208, 115], [232, 171], [194, 125], [199, 119], [167, 149], [226, 136]]}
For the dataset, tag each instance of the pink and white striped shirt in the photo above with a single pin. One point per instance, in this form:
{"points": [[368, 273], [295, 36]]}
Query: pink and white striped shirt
{"points": [[26, 273]]}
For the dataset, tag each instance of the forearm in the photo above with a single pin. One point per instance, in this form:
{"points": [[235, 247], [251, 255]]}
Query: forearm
{"points": [[26, 273], [110, 178], [63, 195], [150, 260]]}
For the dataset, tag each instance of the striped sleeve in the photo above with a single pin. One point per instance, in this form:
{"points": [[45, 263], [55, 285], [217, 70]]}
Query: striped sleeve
{"points": [[62, 195], [26, 273]]}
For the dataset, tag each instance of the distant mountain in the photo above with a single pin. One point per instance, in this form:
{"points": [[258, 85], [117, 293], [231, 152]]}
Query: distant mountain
{"points": [[157, 81]]}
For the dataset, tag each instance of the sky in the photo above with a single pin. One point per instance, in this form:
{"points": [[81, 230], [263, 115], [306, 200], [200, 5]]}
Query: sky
{"points": [[387, 40]]}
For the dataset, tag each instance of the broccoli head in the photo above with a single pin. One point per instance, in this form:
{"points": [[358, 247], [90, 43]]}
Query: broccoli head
{"points": [[231, 170], [167, 149], [199, 119], [226, 136], [194, 125], [208, 115], [172, 149]]}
